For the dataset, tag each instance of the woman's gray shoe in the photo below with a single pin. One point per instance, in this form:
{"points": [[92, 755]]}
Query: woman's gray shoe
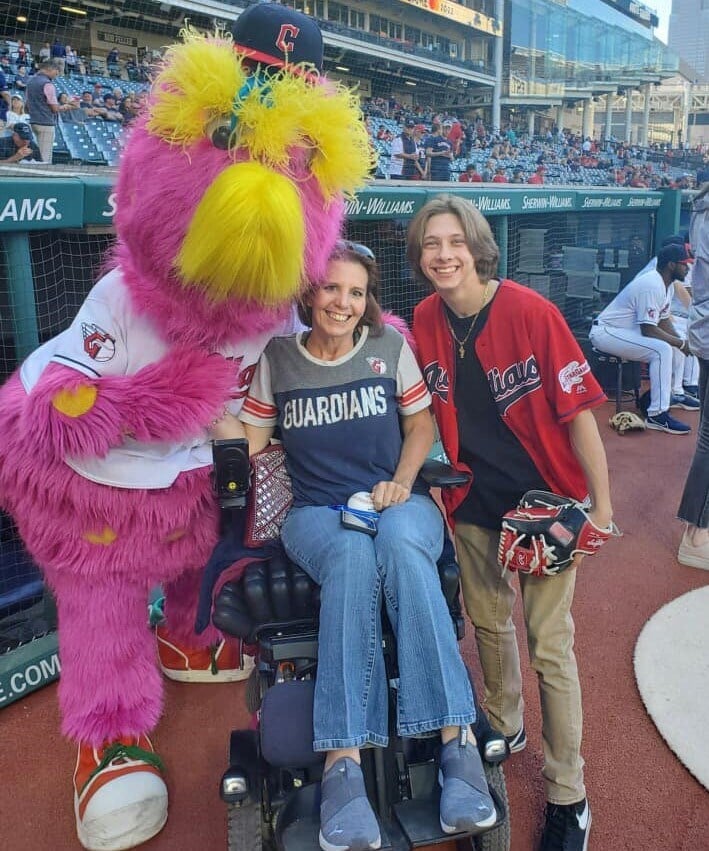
{"points": [[347, 822], [466, 804]]}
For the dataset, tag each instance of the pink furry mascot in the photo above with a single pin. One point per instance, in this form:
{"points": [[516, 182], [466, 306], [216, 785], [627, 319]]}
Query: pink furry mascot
{"points": [[230, 198]]}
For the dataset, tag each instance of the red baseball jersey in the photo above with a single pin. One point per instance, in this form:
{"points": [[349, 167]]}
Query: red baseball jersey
{"points": [[537, 374]]}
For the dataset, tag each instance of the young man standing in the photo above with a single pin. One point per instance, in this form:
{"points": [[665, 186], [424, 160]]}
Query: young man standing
{"points": [[405, 155], [439, 153], [513, 396]]}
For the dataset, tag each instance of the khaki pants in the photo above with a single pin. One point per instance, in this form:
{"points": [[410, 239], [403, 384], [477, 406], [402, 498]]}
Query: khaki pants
{"points": [[489, 595], [44, 134]]}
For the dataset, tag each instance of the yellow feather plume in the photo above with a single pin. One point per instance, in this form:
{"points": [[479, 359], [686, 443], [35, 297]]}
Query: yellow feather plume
{"points": [[257, 248], [202, 79], [198, 81]]}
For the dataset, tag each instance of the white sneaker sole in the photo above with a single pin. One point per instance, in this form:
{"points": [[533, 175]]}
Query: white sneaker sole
{"points": [[657, 427], [125, 828], [692, 560], [448, 829], [232, 675], [328, 846]]}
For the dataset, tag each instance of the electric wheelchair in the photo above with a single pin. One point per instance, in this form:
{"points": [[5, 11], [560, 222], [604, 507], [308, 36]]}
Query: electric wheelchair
{"points": [[272, 783]]}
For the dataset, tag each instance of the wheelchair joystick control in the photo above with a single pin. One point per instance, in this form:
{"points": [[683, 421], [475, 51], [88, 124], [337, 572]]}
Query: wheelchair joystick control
{"points": [[231, 471]]}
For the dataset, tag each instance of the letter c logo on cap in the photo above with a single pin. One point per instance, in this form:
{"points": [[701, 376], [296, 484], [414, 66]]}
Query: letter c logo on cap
{"points": [[286, 37]]}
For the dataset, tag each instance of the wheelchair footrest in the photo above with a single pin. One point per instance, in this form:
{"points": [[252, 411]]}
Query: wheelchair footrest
{"points": [[298, 824], [419, 820]]}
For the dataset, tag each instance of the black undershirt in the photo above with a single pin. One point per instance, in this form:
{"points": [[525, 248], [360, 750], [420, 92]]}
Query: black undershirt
{"points": [[502, 469]]}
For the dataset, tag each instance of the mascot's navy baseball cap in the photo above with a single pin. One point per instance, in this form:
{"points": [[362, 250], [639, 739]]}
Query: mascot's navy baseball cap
{"points": [[275, 35]]}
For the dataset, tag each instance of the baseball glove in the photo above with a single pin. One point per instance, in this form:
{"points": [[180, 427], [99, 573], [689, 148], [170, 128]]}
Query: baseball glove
{"points": [[544, 533], [625, 421]]}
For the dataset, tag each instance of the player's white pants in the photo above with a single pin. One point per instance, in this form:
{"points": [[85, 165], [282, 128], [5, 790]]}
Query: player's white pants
{"points": [[665, 362], [690, 377]]}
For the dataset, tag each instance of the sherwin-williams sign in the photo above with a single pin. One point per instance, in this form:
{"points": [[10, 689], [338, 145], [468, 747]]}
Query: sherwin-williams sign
{"points": [[40, 204], [86, 201], [618, 200], [371, 204], [503, 202], [99, 201]]}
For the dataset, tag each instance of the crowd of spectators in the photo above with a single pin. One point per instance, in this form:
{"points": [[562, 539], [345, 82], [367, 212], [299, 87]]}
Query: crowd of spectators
{"points": [[449, 147], [559, 156], [81, 97]]}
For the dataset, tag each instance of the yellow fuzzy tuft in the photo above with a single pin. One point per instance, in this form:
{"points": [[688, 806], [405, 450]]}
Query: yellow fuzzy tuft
{"points": [[246, 238], [201, 81], [198, 81], [75, 403], [272, 123], [105, 537], [343, 152]]}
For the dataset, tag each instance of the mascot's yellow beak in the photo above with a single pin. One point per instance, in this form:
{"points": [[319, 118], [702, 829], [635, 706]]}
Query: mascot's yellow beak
{"points": [[246, 238]]}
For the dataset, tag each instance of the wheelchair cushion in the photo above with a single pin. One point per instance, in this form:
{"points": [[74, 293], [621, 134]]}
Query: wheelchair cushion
{"points": [[281, 587], [286, 725]]}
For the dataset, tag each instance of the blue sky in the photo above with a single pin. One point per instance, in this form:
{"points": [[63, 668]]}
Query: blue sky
{"points": [[663, 9]]}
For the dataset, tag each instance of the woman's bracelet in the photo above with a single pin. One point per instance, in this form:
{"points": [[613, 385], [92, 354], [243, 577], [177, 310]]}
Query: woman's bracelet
{"points": [[225, 411]]}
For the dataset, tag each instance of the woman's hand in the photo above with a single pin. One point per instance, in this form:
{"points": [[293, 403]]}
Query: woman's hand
{"points": [[225, 427], [385, 494]]}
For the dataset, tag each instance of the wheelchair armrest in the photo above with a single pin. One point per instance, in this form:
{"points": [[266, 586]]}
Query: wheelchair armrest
{"points": [[437, 474]]}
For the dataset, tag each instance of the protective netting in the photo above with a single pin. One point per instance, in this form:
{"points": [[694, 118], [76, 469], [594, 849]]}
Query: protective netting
{"points": [[64, 265]]}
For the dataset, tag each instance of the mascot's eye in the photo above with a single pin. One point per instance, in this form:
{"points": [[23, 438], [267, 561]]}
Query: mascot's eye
{"points": [[220, 135], [309, 155]]}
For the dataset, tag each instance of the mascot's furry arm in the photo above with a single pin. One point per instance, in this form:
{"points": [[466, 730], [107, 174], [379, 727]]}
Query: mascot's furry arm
{"points": [[170, 400]]}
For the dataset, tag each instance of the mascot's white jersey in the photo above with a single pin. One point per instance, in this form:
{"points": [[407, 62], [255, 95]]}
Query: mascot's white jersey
{"points": [[108, 338]]}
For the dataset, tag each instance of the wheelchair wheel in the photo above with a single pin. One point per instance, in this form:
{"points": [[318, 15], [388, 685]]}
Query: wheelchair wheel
{"points": [[499, 838], [245, 827]]}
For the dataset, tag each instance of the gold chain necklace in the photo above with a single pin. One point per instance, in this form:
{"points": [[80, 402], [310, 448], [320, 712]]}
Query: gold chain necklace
{"points": [[461, 343]]}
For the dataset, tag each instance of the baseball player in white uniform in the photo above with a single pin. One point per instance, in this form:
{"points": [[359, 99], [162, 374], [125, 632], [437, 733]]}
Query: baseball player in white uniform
{"points": [[679, 309], [637, 326]]}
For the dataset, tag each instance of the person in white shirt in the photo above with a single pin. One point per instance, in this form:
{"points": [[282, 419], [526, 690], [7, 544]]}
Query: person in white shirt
{"points": [[637, 326], [404, 163], [679, 310], [16, 114]]}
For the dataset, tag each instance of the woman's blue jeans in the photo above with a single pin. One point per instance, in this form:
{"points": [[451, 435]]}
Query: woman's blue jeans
{"points": [[356, 573], [694, 507]]}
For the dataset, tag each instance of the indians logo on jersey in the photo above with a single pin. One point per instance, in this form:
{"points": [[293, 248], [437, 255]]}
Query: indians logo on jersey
{"points": [[572, 374], [245, 376], [513, 383], [99, 345], [436, 378], [378, 366]]}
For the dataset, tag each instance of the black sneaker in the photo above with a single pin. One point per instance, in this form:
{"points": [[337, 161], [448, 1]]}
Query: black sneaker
{"points": [[517, 742], [566, 827]]}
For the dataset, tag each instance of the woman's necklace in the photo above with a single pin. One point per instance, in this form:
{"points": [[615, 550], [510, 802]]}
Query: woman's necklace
{"points": [[461, 343]]}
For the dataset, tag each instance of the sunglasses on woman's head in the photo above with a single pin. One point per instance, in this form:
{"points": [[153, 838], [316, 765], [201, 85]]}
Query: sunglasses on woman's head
{"points": [[355, 248]]}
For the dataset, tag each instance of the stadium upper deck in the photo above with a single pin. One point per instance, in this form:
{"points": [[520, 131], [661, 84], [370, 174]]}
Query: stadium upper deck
{"points": [[528, 63]]}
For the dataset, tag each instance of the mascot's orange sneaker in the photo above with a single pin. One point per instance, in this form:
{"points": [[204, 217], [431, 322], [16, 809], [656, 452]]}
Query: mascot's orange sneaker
{"points": [[221, 663], [120, 798]]}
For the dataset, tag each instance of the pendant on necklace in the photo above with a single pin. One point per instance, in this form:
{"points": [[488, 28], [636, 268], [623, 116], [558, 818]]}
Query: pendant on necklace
{"points": [[461, 351]]}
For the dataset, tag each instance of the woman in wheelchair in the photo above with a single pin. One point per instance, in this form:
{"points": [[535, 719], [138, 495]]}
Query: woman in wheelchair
{"points": [[353, 413]]}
